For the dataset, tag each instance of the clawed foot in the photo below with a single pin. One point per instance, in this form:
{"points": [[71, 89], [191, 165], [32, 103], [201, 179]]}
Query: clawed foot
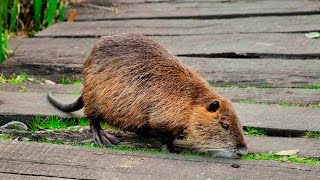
{"points": [[167, 143], [104, 139]]}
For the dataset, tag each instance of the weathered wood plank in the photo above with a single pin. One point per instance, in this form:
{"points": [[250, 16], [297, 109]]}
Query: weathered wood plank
{"points": [[259, 95], [110, 2], [19, 176], [184, 27], [260, 45], [25, 105], [65, 56], [245, 44], [307, 147], [274, 72], [214, 9], [74, 162], [219, 72]]}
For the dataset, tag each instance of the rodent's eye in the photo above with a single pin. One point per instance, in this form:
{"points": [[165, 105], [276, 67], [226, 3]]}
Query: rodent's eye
{"points": [[224, 118], [224, 125], [213, 107]]}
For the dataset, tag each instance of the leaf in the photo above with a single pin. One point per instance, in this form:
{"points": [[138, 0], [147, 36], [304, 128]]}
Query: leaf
{"points": [[312, 35], [37, 7], [287, 152], [73, 14], [98, 153]]}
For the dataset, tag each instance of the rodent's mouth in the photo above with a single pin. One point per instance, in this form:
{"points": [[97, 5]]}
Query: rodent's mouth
{"points": [[225, 153]]}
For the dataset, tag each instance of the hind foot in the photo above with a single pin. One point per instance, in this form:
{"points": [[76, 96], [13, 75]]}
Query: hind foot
{"points": [[167, 143], [101, 138]]}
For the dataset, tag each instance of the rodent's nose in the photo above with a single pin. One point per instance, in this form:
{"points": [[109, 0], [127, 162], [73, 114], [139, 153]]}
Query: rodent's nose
{"points": [[241, 152], [242, 149]]}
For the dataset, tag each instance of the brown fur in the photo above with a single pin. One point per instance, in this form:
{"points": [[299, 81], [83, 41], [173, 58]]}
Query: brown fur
{"points": [[133, 83]]}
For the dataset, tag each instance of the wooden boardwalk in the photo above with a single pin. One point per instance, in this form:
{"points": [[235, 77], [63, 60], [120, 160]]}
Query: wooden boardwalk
{"points": [[232, 43], [21, 160]]}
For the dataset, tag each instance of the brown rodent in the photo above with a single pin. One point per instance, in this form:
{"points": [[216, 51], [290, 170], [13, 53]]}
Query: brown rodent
{"points": [[133, 83]]}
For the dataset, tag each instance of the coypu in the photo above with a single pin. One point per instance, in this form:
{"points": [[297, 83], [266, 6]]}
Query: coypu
{"points": [[133, 83]]}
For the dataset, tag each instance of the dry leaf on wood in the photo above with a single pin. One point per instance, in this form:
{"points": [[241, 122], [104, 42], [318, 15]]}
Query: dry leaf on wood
{"points": [[287, 152], [73, 14], [312, 35]]}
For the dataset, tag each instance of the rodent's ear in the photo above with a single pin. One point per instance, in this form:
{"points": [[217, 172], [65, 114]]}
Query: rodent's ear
{"points": [[213, 107]]}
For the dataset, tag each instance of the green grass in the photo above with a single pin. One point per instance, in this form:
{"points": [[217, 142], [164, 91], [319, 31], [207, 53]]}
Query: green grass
{"points": [[65, 80], [312, 135], [93, 145], [23, 89], [53, 123], [274, 157], [74, 92], [249, 156], [285, 104], [288, 104], [4, 137], [312, 86], [262, 86], [15, 79], [121, 148], [251, 131], [248, 101]]}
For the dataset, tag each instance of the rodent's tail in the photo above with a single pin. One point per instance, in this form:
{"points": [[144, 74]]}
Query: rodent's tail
{"points": [[77, 105]]}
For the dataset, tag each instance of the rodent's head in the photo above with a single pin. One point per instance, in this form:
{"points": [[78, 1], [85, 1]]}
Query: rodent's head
{"points": [[215, 128]]}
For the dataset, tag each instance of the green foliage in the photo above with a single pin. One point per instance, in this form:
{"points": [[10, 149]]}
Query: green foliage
{"points": [[2, 49], [5, 137], [73, 92], [133, 149], [4, 8], [54, 122], [65, 80], [312, 135], [288, 104], [251, 131], [312, 86], [294, 158], [120, 148], [248, 101], [23, 89], [47, 140], [50, 12], [28, 16], [62, 11], [15, 79], [262, 86], [37, 8], [14, 15], [83, 122]]}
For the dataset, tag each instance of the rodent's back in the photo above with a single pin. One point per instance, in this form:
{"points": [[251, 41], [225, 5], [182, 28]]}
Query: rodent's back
{"points": [[137, 84]]}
